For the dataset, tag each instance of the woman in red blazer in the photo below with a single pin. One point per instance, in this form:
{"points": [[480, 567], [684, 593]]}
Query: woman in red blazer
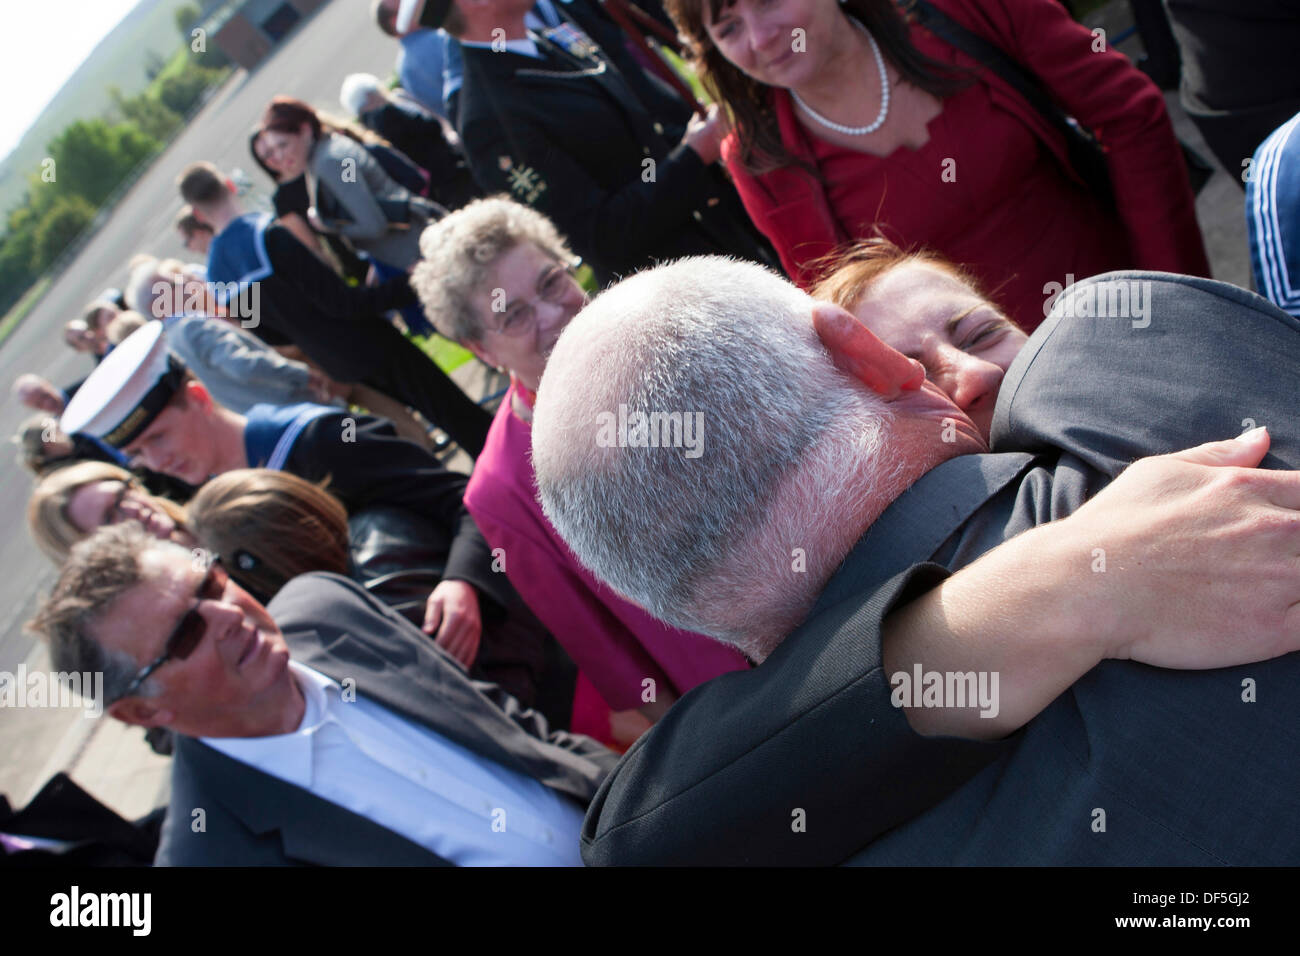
{"points": [[852, 119]]}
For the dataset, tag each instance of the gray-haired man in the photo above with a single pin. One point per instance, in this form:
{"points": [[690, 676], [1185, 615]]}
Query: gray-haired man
{"points": [[796, 511]]}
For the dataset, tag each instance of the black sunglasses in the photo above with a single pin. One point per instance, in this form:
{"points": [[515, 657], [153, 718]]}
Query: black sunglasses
{"points": [[185, 638]]}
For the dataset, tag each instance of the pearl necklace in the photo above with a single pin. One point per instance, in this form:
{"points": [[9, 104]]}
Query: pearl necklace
{"points": [[884, 97]]}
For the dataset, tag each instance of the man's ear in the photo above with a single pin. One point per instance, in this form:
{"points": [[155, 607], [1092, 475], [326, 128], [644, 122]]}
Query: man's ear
{"points": [[138, 712], [860, 354], [196, 394], [231, 187]]}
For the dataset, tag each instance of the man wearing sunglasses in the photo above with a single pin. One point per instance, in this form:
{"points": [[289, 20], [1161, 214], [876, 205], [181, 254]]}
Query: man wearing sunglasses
{"points": [[323, 729]]}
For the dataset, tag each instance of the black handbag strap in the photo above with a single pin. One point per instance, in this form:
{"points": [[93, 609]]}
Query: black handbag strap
{"points": [[996, 59]]}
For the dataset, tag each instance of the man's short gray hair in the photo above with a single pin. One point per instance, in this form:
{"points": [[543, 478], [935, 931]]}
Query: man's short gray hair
{"points": [[99, 570], [140, 286], [356, 90], [459, 250], [707, 539]]}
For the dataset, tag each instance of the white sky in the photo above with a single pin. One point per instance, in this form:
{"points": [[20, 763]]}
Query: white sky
{"points": [[42, 42]]}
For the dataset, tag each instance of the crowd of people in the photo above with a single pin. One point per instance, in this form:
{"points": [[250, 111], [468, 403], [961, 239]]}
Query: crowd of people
{"points": [[792, 423]]}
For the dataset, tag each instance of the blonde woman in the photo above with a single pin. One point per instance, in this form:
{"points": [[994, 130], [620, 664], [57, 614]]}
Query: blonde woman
{"points": [[71, 503]]}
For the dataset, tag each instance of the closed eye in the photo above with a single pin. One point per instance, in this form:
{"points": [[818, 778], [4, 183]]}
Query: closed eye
{"points": [[988, 334]]}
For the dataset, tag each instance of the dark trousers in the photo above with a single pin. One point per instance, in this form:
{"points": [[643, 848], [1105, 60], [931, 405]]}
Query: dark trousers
{"points": [[408, 375]]}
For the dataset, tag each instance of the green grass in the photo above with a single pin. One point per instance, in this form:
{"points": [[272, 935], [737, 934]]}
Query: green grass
{"points": [[22, 307], [177, 65], [686, 73], [447, 355]]}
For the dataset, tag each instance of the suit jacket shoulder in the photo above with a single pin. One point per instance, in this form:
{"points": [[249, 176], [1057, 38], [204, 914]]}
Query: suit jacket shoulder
{"points": [[810, 734], [1136, 363]]}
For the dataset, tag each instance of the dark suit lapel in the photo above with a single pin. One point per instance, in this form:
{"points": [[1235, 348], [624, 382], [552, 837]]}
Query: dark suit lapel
{"points": [[420, 684], [311, 830], [403, 670], [921, 519]]}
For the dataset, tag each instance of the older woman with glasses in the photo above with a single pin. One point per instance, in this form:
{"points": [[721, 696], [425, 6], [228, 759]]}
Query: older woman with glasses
{"points": [[496, 277]]}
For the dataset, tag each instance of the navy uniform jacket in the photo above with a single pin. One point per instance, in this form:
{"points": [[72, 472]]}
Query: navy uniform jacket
{"points": [[576, 137], [1184, 770], [302, 301], [334, 626], [368, 463]]}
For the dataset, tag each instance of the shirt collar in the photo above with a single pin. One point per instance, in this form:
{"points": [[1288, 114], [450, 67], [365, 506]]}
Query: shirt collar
{"points": [[291, 753]]}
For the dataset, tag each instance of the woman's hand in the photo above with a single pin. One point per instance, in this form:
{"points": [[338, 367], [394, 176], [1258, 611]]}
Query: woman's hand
{"points": [[1202, 557], [705, 134]]}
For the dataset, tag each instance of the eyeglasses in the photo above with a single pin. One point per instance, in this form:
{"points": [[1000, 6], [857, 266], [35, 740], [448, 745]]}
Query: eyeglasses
{"points": [[522, 316], [114, 513], [185, 638]]}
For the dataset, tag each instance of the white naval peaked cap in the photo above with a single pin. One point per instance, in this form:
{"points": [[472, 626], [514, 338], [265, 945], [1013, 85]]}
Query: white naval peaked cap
{"points": [[128, 389]]}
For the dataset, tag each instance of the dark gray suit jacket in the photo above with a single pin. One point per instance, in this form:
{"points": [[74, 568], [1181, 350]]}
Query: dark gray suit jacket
{"points": [[1184, 770], [336, 627]]}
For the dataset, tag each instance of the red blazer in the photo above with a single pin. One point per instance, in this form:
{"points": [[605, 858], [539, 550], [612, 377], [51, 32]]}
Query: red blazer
{"points": [[1103, 90]]}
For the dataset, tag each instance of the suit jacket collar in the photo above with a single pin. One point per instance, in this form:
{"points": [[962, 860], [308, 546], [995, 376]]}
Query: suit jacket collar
{"points": [[426, 696], [411, 676], [912, 528]]}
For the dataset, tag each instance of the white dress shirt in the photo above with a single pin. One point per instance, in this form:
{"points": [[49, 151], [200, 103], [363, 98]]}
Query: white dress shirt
{"points": [[402, 775]]}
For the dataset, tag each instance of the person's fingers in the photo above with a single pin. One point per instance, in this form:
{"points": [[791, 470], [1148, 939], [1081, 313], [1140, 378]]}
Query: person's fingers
{"points": [[464, 652], [432, 615], [1279, 488], [859, 353], [451, 632], [454, 638], [472, 640], [1244, 451]]}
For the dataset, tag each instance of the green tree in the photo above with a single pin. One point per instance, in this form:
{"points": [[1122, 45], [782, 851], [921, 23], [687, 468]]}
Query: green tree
{"points": [[153, 65], [149, 115], [16, 273], [179, 92], [67, 219], [185, 17], [91, 157]]}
